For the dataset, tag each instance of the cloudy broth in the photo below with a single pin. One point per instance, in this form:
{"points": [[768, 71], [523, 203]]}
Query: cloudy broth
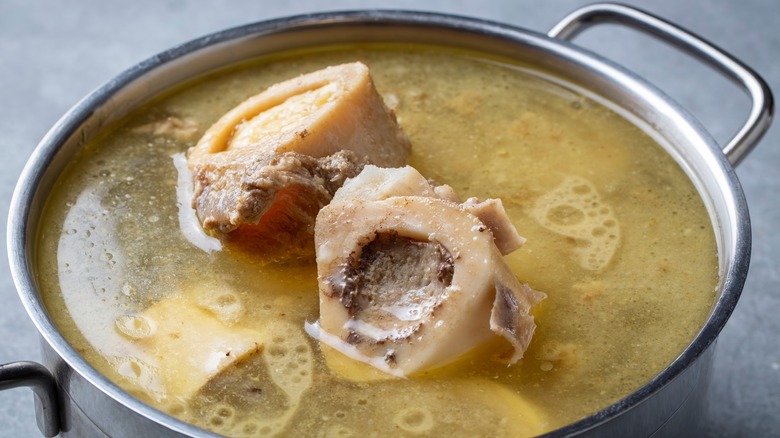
{"points": [[618, 238]]}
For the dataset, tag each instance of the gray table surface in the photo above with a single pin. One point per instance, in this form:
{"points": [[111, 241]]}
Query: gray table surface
{"points": [[52, 53]]}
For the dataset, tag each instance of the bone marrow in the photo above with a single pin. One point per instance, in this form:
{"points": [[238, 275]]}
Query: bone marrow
{"points": [[394, 280]]}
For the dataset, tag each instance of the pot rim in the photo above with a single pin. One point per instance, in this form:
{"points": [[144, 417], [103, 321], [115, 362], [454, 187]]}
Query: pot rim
{"points": [[21, 235]]}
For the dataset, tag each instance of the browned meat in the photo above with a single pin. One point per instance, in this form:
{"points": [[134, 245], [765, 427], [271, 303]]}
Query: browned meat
{"points": [[269, 202]]}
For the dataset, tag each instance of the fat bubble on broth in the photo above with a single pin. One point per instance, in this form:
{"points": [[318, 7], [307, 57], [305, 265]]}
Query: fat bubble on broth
{"points": [[575, 209], [618, 310]]}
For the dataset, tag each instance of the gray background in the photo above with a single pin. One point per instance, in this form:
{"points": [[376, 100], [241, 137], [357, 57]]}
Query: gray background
{"points": [[52, 53]]}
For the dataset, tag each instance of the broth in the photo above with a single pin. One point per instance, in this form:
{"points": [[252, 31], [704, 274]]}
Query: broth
{"points": [[618, 311]]}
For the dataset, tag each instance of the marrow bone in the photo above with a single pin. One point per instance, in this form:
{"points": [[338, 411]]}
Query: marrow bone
{"points": [[266, 167], [410, 281]]}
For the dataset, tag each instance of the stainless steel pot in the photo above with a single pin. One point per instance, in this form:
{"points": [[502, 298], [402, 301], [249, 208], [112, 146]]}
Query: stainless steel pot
{"points": [[73, 399]]}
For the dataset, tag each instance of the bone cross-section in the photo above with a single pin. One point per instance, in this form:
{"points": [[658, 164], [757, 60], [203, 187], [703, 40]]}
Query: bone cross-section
{"points": [[409, 281]]}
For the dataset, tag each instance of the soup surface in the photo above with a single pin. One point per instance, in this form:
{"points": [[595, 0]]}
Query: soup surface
{"points": [[618, 238]]}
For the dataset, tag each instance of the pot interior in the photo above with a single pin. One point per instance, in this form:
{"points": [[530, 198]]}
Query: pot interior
{"points": [[584, 73]]}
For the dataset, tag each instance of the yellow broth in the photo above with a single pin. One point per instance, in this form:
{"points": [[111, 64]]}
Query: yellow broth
{"points": [[110, 246]]}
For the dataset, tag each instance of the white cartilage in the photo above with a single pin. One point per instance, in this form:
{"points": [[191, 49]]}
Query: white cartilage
{"points": [[491, 212]]}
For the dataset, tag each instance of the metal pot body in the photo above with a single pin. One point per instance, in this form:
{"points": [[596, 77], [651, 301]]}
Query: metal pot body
{"points": [[677, 409], [90, 405]]}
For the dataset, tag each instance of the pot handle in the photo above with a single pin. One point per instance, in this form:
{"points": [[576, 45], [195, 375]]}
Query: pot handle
{"points": [[761, 96], [40, 380]]}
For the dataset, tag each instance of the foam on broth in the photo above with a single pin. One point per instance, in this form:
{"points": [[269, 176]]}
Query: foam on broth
{"points": [[617, 313]]}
